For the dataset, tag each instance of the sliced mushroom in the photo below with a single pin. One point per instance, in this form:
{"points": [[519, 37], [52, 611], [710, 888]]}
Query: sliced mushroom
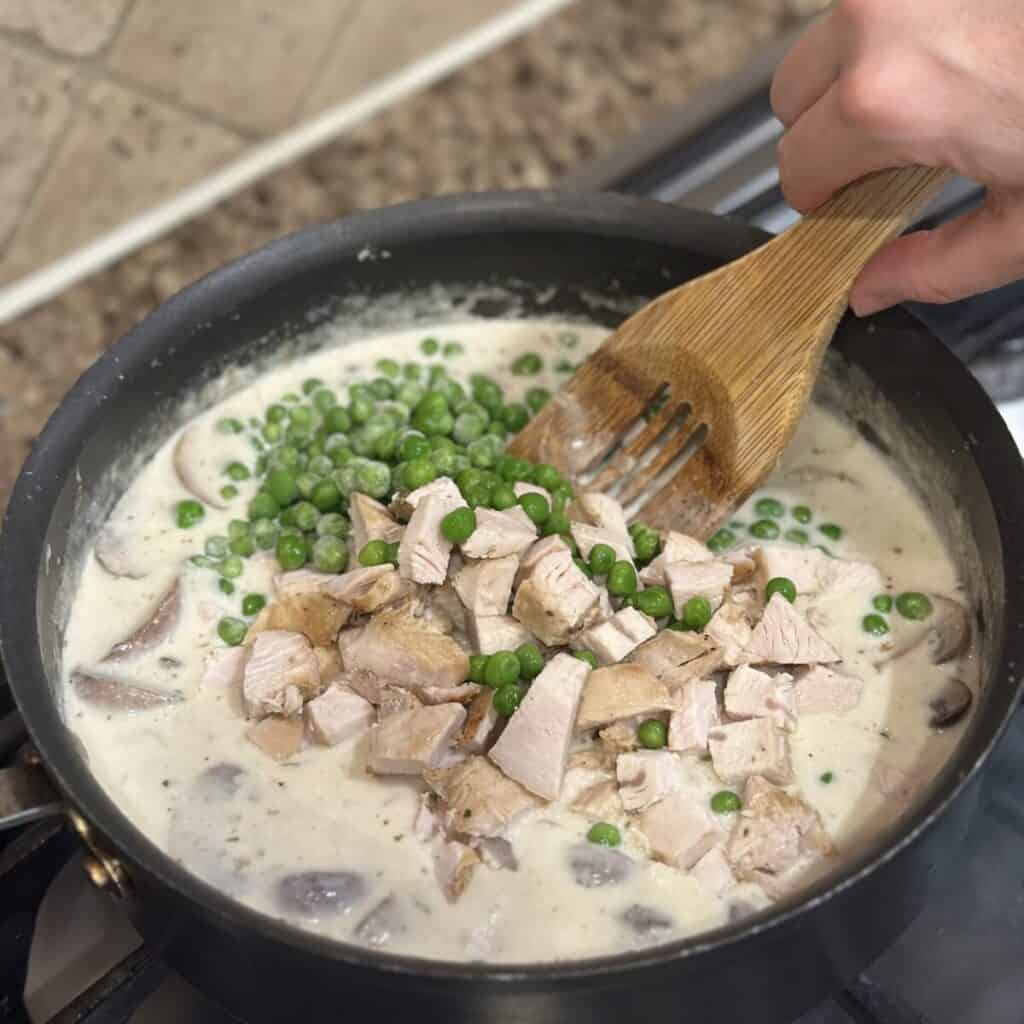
{"points": [[596, 866], [817, 474], [949, 630], [118, 696], [114, 552], [646, 922], [220, 781], [316, 893], [192, 449], [951, 704], [158, 627], [381, 923]]}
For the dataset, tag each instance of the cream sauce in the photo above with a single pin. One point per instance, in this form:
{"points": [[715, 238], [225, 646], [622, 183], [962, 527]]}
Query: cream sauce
{"points": [[243, 830]]}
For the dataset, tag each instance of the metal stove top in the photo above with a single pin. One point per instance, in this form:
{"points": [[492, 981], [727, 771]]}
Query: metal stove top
{"points": [[961, 962]]}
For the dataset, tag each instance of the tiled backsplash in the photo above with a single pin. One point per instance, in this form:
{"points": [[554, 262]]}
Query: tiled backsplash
{"points": [[109, 106]]}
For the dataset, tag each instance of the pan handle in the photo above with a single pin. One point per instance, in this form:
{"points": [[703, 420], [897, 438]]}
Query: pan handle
{"points": [[26, 794]]}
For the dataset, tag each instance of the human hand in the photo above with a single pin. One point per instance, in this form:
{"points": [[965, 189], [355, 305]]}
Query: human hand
{"points": [[888, 83]]}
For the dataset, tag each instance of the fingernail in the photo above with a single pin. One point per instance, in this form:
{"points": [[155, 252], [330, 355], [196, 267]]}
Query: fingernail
{"points": [[864, 303]]}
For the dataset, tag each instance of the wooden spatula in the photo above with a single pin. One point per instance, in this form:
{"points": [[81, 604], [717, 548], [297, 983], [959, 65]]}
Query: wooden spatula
{"points": [[686, 408]]}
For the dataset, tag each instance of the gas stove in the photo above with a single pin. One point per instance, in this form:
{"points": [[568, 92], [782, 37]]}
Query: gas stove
{"points": [[963, 958]]}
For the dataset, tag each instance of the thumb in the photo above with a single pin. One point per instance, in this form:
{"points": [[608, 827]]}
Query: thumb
{"points": [[978, 251]]}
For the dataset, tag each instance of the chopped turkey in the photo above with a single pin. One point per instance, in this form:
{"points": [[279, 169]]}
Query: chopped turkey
{"points": [[497, 534], [370, 588], [424, 551], [753, 747], [485, 586], [785, 637], [314, 614], [620, 691], [823, 690], [461, 694], [599, 802], [587, 537], [454, 864], [686, 580], [301, 582], [553, 600], [774, 832], [814, 573], [713, 872], [444, 610], [536, 552], [280, 673], [750, 693], [679, 830], [337, 715], [481, 800], [730, 627], [691, 723], [409, 742], [482, 722], [443, 487], [583, 769], [534, 746], [675, 547], [678, 658], [328, 663], [620, 737], [371, 521], [615, 638], [391, 700], [604, 511], [647, 776], [405, 651], [280, 738], [489, 634]]}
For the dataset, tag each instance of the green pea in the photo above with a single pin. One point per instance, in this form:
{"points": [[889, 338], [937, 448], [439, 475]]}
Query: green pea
{"points": [[373, 478], [303, 514], [414, 446], [434, 423], [503, 497], [875, 625], [725, 801], [589, 657], [652, 734], [382, 388], [253, 604], [230, 425], [311, 384], [604, 834], [583, 567], [330, 554], [231, 630], [531, 661], [290, 398], [375, 552], [537, 398], [622, 579], [655, 601], [557, 522], [796, 536], [276, 414], [468, 428], [514, 470], [485, 391], [360, 409], [528, 364], [418, 473], [229, 491], [827, 777], [391, 554], [514, 417], [306, 484], [536, 507], [765, 529], [502, 668], [232, 567], [647, 544], [913, 605], [458, 525], [264, 532], [282, 487], [429, 346], [237, 471], [326, 496], [291, 551], [477, 664], [225, 586], [770, 508], [324, 400], [882, 603], [238, 528], [332, 524], [507, 698], [337, 420], [602, 558], [478, 495], [216, 546], [802, 514], [831, 530], [244, 547], [697, 612], [272, 433], [388, 367], [188, 513], [721, 540], [780, 585], [545, 475], [203, 562]]}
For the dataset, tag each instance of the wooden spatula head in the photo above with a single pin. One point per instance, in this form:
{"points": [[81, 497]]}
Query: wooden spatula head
{"points": [[688, 406]]}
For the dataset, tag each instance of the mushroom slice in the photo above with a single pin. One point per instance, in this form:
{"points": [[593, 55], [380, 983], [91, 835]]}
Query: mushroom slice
{"points": [[155, 629], [117, 696], [113, 551], [949, 632], [951, 704], [191, 455]]}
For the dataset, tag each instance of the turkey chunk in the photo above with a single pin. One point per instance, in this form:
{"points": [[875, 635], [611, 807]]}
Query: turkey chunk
{"points": [[619, 635], [620, 691], [409, 742], [587, 537], [647, 776], [278, 737], [813, 572], [554, 598], [675, 547], [679, 830], [497, 534], [492, 633], [691, 723], [785, 637], [821, 689], [750, 693], [405, 651], [713, 872], [280, 673], [454, 864], [485, 586], [754, 747], [337, 715], [314, 614], [424, 551], [535, 744], [697, 579], [678, 658], [604, 511], [730, 628], [481, 800], [370, 588], [371, 521]]}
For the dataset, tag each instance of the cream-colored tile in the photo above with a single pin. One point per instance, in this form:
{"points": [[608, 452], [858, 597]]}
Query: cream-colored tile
{"points": [[384, 35], [123, 153], [78, 28], [36, 97], [247, 61]]}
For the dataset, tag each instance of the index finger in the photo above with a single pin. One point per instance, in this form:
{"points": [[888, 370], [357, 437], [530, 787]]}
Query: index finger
{"points": [[807, 70]]}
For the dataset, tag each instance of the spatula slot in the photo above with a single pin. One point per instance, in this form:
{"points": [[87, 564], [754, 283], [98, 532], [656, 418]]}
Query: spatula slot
{"points": [[658, 441], [660, 472]]}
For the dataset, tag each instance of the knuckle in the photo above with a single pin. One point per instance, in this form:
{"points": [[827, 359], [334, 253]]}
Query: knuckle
{"points": [[864, 101]]}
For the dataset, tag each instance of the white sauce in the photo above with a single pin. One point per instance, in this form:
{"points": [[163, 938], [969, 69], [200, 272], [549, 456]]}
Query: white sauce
{"points": [[324, 812]]}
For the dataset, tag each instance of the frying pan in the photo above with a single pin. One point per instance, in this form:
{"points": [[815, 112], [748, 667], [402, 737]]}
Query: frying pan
{"points": [[588, 258]]}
